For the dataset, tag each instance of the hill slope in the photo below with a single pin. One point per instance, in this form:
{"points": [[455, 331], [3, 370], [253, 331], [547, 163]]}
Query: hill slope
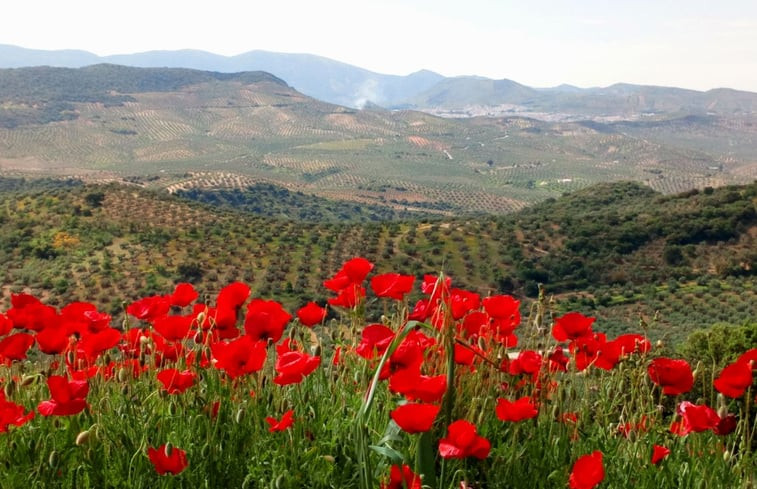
{"points": [[182, 129], [618, 251]]}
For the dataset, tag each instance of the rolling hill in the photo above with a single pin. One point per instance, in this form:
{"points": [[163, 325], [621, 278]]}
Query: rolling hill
{"points": [[179, 129], [687, 260]]}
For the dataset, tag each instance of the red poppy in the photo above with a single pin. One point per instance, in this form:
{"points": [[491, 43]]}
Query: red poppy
{"points": [[633, 343], [175, 382], [15, 347], [392, 285], [149, 308], [415, 417], [167, 460], [375, 339], [749, 357], [726, 425], [734, 379], [286, 421], [558, 362], [93, 345], [240, 356], [5, 325], [233, 296], [30, 313], [53, 339], [12, 414], [173, 328], [659, 453], [586, 349], [410, 383], [348, 297], [421, 311], [265, 319], [571, 326], [504, 309], [696, 418], [673, 375], [68, 397], [519, 410], [294, 366], [587, 472], [461, 302], [527, 362], [463, 441], [402, 478], [311, 314], [353, 272], [183, 295]]}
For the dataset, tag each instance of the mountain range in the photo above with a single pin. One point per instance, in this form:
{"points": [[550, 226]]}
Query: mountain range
{"points": [[343, 84]]}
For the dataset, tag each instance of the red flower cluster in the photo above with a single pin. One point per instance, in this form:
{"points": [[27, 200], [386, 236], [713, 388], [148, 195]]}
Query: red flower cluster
{"points": [[462, 441], [167, 459]]}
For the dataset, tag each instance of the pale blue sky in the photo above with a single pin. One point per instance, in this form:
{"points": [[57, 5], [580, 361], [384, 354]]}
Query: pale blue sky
{"points": [[695, 44]]}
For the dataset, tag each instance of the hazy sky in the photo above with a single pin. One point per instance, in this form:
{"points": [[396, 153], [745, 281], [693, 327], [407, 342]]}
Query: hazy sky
{"points": [[696, 44]]}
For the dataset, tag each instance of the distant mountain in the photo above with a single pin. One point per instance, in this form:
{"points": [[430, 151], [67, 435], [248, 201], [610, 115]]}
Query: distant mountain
{"points": [[343, 84], [316, 76]]}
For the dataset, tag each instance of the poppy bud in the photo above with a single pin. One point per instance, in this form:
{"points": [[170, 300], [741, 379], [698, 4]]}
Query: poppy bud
{"points": [[70, 357], [238, 416], [279, 481], [659, 344], [197, 338], [106, 358], [52, 459], [168, 449], [172, 412], [329, 458], [27, 380], [316, 350], [123, 374], [82, 438], [481, 343], [10, 388], [201, 318], [726, 455]]}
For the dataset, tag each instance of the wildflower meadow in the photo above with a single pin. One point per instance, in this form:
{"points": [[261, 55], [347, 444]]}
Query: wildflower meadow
{"points": [[370, 390]]}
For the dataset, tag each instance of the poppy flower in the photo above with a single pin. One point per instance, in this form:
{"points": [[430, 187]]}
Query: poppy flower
{"points": [[586, 349], [183, 295], [673, 375], [167, 460], [68, 397], [149, 308], [173, 328], [504, 309], [292, 367], [659, 453], [311, 314], [353, 272], [696, 418], [348, 297], [375, 339], [410, 383], [461, 302], [462, 441], [392, 285], [53, 339], [571, 326], [233, 296], [519, 410], [240, 356], [265, 319], [12, 414], [15, 346], [175, 382], [527, 362], [734, 379], [587, 472], [6, 325], [93, 345], [286, 421], [415, 417], [726, 425], [558, 361], [402, 478]]}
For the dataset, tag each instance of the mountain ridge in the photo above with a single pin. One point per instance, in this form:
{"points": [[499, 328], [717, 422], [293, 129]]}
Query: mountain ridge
{"points": [[352, 86]]}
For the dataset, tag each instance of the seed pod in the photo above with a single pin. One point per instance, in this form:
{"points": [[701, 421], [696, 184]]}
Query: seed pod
{"points": [[329, 458], [82, 438]]}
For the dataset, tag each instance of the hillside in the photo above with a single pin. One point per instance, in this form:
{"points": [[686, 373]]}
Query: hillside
{"points": [[620, 251], [182, 129]]}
